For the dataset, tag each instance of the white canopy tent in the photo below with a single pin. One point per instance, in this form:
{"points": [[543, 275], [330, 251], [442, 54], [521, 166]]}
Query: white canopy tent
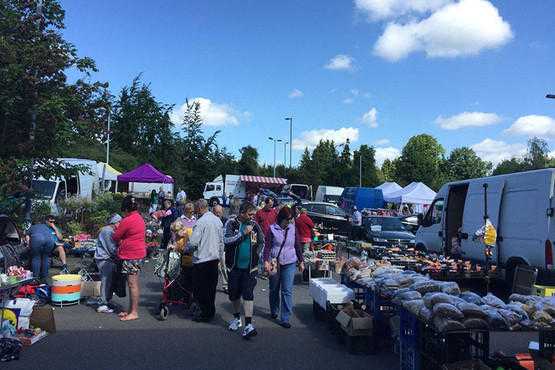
{"points": [[389, 187], [110, 175], [416, 193]]}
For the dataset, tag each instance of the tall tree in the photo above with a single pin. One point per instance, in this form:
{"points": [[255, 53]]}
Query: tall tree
{"points": [[463, 163], [537, 156], [388, 170], [248, 163], [367, 167], [420, 160]]}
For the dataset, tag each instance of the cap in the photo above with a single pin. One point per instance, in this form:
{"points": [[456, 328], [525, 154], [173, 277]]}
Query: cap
{"points": [[114, 219]]}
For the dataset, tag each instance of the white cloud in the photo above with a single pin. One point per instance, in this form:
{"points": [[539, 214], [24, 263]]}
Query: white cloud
{"points": [[348, 101], [213, 114], [340, 62], [309, 139], [386, 153], [467, 119], [533, 125], [456, 29], [382, 142], [385, 9], [496, 151], [296, 93], [370, 118]]}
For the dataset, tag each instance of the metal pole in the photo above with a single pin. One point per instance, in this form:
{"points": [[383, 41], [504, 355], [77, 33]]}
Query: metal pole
{"points": [[108, 142], [285, 153], [275, 142], [290, 119]]}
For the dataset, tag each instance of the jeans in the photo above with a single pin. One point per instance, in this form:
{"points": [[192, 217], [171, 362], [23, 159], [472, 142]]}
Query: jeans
{"points": [[106, 269], [41, 247], [205, 281], [282, 282], [223, 273]]}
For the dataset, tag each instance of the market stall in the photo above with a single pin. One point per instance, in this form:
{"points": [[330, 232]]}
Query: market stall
{"points": [[389, 187], [417, 194], [145, 178]]}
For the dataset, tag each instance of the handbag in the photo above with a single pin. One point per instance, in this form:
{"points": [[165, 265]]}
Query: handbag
{"points": [[274, 263]]}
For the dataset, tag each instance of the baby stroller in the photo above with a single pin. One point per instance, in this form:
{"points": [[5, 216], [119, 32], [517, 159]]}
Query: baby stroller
{"points": [[177, 281]]}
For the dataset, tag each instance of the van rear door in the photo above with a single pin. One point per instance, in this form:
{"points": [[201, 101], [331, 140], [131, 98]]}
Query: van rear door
{"points": [[473, 218]]}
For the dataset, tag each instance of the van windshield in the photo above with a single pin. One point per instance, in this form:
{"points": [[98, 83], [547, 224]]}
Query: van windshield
{"points": [[332, 199], [44, 189]]}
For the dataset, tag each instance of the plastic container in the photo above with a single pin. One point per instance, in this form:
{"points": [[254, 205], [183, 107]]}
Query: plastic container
{"points": [[66, 289]]}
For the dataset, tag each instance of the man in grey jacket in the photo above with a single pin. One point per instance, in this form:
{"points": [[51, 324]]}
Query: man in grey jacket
{"points": [[105, 256], [207, 243]]}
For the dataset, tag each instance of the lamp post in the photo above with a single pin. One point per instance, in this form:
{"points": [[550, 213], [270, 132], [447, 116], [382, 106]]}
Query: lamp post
{"points": [[275, 142], [103, 187], [285, 153], [550, 96], [290, 119]]}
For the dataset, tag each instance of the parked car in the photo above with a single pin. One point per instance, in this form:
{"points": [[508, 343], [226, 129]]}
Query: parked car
{"points": [[330, 217], [387, 231]]}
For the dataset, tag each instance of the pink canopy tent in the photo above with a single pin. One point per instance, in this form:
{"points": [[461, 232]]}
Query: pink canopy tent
{"points": [[146, 173]]}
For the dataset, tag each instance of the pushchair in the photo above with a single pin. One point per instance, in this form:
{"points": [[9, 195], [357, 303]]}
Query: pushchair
{"points": [[177, 281]]}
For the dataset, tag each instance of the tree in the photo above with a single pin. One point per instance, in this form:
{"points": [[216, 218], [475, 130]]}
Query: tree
{"points": [[388, 170], [248, 163], [420, 160], [509, 166], [463, 163], [537, 156], [369, 171]]}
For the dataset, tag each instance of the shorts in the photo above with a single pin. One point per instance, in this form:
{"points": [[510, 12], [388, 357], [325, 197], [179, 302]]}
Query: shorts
{"points": [[241, 284], [131, 267]]}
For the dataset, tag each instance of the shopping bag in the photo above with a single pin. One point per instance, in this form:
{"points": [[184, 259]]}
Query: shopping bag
{"points": [[119, 282]]}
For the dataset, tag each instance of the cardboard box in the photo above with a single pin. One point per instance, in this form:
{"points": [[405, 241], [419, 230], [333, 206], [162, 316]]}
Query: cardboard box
{"points": [[43, 317], [90, 289], [355, 322], [29, 341]]}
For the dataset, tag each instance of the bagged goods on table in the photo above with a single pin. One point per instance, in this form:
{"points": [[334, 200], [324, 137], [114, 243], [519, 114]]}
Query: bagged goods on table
{"points": [[471, 310], [444, 324], [475, 323], [447, 311], [472, 297], [517, 309], [450, 287], [413, 307], [526, 299], [425, 314], [426, 287], [493, 301], [542, 317], [495, 320], [410, 295], [550, 309], [510, 316]]}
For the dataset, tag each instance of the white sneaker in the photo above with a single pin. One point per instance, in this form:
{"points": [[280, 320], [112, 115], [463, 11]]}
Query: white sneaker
{"points": [[104, 309], [235, 324], [249, 331]]}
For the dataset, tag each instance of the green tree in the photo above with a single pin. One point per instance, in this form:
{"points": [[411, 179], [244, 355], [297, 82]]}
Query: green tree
{"points": [[248, 163], [537, 156], [463, 163], [369, 171], [420, 160], [388, 170], [509, 166], [325, 161]]}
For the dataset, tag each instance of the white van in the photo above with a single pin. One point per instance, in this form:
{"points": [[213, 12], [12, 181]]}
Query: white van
{"points": [[328, 194], [519, 205]]}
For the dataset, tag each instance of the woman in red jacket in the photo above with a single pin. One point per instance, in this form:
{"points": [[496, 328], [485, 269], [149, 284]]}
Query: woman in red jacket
{"points": [[304, 226], [130, 236]]}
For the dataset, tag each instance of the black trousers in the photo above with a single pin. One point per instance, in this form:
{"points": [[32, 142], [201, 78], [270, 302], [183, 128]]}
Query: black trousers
{"points": [[205, 280]]}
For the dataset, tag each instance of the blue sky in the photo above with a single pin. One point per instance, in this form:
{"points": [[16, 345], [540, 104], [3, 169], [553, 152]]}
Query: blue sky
{"points": [[469, 72]]}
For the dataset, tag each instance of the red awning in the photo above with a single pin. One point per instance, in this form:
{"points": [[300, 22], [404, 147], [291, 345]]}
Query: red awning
{"points": [[263, 180]]}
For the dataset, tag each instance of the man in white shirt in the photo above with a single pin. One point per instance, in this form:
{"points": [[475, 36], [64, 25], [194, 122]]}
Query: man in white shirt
{"points": [[207, 243], [356, 224], [181, 197]]}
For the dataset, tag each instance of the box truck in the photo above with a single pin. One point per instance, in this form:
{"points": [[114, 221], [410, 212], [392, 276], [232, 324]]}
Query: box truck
{"points": [[223, 188], [519, 205]]}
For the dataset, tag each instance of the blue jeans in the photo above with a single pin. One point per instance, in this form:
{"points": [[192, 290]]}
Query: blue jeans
{"points": [[106, 269], [282, 282], [41, 247]]}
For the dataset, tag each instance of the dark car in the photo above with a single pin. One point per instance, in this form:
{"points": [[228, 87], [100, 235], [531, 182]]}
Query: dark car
{"points": [[387, 231], [329, 217]]}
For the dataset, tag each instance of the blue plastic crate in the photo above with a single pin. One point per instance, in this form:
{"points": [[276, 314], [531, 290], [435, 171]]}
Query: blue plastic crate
{"points": [[409, 358], [409, 329], [369, 300]]}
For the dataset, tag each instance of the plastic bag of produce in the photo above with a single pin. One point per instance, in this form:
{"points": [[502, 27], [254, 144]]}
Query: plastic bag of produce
{"points": [[426, 287], [472, 297], [450, 287], [427, 298], [526, 299], [517, 308], [445, 325], [471, 310], [413, 306], [493, 301], [407, 296], [542, 317], [549, 308], [425, 314], [447, 311], [495, 320], [475, 323], [510, 316]]}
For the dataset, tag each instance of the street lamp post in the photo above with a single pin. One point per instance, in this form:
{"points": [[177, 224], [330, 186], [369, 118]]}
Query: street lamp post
{"points": [[550, 96], [285, 153], [103, 187], [290, 119], [275, 142]]}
